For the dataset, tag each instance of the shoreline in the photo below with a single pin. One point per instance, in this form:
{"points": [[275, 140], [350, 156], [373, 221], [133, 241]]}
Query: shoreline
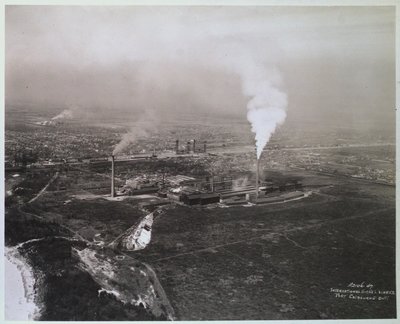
{"points": [[19, 284]]}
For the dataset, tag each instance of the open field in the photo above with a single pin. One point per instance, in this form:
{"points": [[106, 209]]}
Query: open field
{"points": [[279, 262]]}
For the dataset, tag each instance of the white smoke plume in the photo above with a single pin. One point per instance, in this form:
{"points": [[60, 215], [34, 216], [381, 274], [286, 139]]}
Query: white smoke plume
{"points": [[144, 125], [267, 107], [261, 82], [65, 114]]}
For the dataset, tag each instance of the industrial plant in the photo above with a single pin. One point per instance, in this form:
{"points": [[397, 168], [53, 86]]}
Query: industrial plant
{"points": [[213, 189]]}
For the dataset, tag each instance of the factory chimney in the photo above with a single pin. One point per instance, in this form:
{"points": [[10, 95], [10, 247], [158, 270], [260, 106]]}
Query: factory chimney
{"points": [[112, 177], [177, 146], [205, 146], [194, 146], [257, 175], [188, 147]]}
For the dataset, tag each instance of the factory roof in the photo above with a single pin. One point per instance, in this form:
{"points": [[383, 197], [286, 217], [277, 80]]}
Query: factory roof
{"points": [[179, 178]]}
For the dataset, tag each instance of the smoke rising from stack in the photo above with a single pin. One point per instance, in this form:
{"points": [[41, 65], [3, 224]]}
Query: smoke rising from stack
{"points": [[267, 107], [74, 111], [144, 125], [261, 84], [65, 114]]}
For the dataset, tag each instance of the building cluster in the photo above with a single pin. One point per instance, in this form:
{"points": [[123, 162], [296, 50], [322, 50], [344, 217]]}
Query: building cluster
{"points": [[56, 145], [205, 190], [139, 186], [191, 147], [335, 153]]}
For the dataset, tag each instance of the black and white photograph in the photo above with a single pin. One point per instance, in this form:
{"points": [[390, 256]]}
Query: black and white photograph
{"points": [[199, 162]]}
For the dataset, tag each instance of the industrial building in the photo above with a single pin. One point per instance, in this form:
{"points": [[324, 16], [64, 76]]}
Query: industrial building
{"points": [[210, 189], [149, 189], [199, 198]]}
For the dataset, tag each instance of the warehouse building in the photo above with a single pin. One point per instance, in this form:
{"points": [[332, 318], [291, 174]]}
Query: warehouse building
{"points": [[199, 198]]}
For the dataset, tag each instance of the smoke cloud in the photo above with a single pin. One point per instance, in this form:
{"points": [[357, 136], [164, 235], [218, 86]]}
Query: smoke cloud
{"points": [[265, 111], [73, 112], [65, 114], [145, 124], [262, 84]]}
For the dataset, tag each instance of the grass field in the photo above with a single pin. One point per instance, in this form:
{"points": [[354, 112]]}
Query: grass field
{"points": [[279, 261]]}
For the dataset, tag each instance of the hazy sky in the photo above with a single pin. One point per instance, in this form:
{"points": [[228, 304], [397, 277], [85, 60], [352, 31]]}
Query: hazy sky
{"points": [[332, 62]]}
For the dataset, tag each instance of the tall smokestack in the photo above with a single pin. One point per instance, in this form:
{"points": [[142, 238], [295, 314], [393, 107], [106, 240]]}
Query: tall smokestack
{"points": [[257, 175], [177, 146], [194, 146], [112, 177]]}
